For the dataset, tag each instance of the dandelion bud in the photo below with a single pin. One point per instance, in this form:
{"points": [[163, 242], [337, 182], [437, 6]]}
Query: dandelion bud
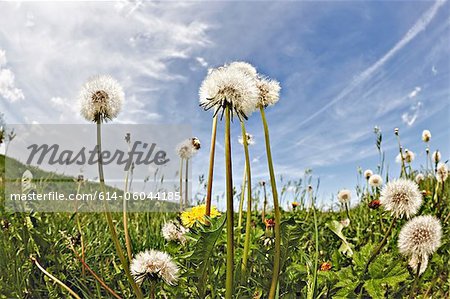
{"points": [[368, 173], [396, 131], [426, 135], [295, 204], [436, 156]]}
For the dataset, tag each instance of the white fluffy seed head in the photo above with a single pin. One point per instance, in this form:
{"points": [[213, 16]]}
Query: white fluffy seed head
{"points": [[408, 157], [344, 196], [244, 67], [426, 135], [402, 197], [414, 263], [442, 172], [368, 173], [375, 180], [188, 148], [154, 265], [232, 87], [436, 156], [419, 178], [101, 99], [420, 236], [269, 92], [172, 231], [250, 139]]}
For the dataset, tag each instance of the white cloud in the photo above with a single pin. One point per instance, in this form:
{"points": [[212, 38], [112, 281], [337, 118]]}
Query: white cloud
{"points": [[410, 117], [202, 61], [415, 92], [8, 90]]}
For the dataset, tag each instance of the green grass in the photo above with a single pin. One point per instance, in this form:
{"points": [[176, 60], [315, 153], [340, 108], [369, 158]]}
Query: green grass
{"points": [[202, 259]]}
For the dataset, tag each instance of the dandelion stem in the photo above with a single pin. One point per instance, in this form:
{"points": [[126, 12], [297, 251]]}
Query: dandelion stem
{"points": [[109, 216], [125, 219], [241, 202], [416, 282], [263, 215], [277, 255], [181, 184], [316, 262], [249, 200], [229, 193], [55, 279], [186, 181], [380, 246], [211, 166]]}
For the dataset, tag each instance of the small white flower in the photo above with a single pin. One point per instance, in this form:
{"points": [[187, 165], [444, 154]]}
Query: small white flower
{"points": [[401, 197], [250, 139], [101, 99], [419, 238], [367, 173], [426, 135], [419, 178], [375, 180], [153, 264], [173, 232], [344, 196], [269, 92], [436, 156], [232, 87], [442, 172]]}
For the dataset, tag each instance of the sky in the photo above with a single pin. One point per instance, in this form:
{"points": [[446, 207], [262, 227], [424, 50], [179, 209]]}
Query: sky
{"points": [[344, 68]]}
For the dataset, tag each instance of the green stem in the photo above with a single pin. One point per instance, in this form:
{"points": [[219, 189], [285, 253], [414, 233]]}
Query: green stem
{"points": [[62, 284], [211, 166], [109, 216], [181, 184], [263, 215], [416, 282], [229, 193], [249, 201], [277, 255], [186, 187], [316, 262], [79, 228], [380, 246], [241, 202], [124, 216]]}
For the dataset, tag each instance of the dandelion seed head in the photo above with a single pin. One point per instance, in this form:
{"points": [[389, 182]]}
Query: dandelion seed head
{"points": [[426, 135], [419, 178], [188, 148], [250, 139], [442, 172], [344, 196], [229, 87], [420, 236], [269, 92], [153, 264], [244, 67], [101, 99], [368, 173], [436, 156], [402, 197], [408, 157], [414, 263], [171, 231], [375, 180]]}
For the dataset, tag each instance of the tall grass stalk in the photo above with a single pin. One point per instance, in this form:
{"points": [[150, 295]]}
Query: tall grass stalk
{"points": [[241, 202], [186, 186], [80, 231], [230, 212], [181, 183], [108, 215], [212, 152], [277, 254], [62, 284], [249, 200]]}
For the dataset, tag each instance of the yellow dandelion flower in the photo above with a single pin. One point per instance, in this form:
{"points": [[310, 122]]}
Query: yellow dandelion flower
{"points": [[191, 216]]}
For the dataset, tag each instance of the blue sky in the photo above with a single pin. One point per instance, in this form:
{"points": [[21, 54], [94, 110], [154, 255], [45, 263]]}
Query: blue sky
{"points": [[344, 67]]}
